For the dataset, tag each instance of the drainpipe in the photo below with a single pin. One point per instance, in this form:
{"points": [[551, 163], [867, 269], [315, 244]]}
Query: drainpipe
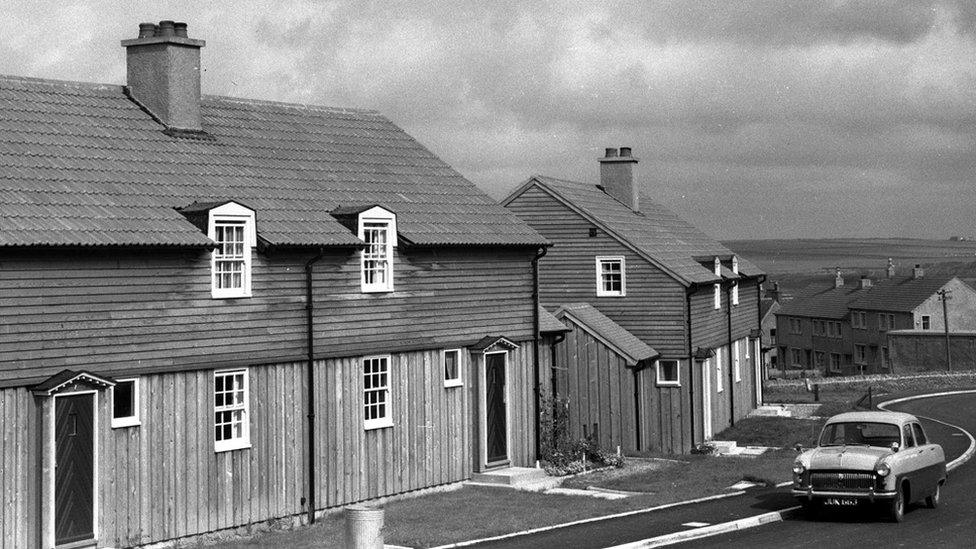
{"points": [[728, 306], [311, 385], [535, 346], [760, 359], [637, 410], [691, 362]]}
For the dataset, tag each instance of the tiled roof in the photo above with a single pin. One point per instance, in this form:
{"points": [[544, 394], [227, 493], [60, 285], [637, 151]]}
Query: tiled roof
{"points": [[821, 300], [655, 232], [548, 323], [81, 164], [900, 294], [767, 306], [624, 342]]}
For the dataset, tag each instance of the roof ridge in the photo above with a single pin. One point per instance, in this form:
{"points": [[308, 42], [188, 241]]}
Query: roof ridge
{"points": [[287, 104], [58, 82]]}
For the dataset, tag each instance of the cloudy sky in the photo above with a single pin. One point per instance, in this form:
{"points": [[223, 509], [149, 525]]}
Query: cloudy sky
{"points": [[752, 119]]}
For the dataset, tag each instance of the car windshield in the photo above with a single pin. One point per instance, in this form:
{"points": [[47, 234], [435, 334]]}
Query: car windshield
{"points": [[860, 433]]}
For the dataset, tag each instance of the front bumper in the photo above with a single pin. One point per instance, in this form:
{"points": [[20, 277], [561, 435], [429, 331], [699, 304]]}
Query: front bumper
{"points": [[810, 494]]}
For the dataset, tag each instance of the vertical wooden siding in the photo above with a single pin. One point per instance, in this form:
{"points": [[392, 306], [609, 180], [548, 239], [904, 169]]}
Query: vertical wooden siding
{"points": [[665, 423], [433, 439], [18, 469], [653, 309], [163, 480], [599, 388]]}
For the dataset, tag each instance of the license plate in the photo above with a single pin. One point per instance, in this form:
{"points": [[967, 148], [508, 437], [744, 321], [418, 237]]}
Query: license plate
{"points": [[841, 502]]}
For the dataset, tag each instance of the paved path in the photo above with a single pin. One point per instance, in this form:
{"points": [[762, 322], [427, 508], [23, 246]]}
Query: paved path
{"points": [[955, 520]]}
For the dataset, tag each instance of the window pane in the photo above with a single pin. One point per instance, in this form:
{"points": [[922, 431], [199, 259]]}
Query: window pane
{"points": [[123, 403]]}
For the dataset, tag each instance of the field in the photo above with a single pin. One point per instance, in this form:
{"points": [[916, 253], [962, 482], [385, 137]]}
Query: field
{"points": [[796, 263]]}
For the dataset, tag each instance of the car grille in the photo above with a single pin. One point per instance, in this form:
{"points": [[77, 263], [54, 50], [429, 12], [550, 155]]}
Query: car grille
{"points": [[842, 481]]}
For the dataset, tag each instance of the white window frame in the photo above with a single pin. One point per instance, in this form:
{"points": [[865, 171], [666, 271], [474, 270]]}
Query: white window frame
{"points": [[661, 381], [385, 420], [735, 284], [717, 297], [600, 260], [243, 441], [378, 216], [719, 385], [232, 213], [452, 382], [926, 322], [128, 421], [736, 367], [862, 350]]}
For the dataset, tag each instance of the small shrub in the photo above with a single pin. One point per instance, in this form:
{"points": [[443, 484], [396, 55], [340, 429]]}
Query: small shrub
{"points": [[563, 453], [704, 449]]}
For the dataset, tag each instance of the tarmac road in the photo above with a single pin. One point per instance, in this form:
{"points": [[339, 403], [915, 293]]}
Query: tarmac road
{"points": [[953, 524]]}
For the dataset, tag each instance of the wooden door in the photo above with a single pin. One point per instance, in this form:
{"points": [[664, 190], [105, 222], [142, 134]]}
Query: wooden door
{"points": [[496, 424], [74, 476]]}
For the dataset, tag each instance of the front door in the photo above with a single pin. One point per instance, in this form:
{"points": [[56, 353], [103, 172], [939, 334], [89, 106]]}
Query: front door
{"points": [[74, 477], [497, 422], [706, 400]]}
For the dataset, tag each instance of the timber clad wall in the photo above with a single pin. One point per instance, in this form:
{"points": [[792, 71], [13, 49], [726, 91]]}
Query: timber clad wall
{"points": [[151, 312], [162, 479], [652, 310], [18, 469]]}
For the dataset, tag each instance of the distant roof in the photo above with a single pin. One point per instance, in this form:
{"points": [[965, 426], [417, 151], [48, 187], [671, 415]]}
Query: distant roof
{"points": [[82, 165], [767, 306], [900, 294], [623, 342], [821, 300], [655, 232]]}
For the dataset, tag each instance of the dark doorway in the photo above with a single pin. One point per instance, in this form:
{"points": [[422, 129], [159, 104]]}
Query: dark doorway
{"points": [[74, 490], [497, 424]]}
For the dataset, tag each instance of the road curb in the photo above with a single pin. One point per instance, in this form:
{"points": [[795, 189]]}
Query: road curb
{"points": [[713, 530], [588, 520], [968, 454]]}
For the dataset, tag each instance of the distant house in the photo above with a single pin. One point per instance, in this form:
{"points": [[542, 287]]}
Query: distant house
{"points": [[768, 307], [843, 330], [220, 311], [658, 278]]}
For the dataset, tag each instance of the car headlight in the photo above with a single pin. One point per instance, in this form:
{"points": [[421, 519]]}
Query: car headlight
{"points": [[798, 468], [882, 469]]}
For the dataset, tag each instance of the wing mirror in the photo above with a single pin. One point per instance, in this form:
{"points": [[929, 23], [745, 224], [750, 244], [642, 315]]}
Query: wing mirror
{"points": [[894, 446], [798, 447]]}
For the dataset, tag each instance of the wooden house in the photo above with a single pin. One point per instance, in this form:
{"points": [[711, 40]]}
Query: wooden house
{"points": [[670, 286], [219, 311]]}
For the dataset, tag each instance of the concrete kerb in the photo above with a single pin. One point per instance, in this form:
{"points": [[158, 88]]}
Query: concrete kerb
{"points": [[731, 526]]}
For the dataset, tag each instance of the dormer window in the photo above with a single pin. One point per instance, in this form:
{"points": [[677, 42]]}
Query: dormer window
{"points": [[735, 284], [717, 298], [231, 226], [377, 228]]}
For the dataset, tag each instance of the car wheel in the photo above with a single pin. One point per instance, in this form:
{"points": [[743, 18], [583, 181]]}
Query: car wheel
{"points": [[896, 509], [933, 501]]}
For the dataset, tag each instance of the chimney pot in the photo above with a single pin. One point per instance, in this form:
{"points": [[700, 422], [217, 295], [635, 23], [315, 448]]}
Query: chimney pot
{"points": [[167, 28], [147, 30], [180, 29], [918, 271], [839, 279], [611, 152]]}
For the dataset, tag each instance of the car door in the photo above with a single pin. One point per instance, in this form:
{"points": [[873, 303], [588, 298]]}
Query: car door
{"points": [[931, 460]]}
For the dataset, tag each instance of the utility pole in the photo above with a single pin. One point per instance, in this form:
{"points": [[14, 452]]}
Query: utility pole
{"points": [[945, 297]]}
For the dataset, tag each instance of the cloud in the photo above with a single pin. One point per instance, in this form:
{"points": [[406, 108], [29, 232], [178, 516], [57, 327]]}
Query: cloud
{"points": [[752, 118]]}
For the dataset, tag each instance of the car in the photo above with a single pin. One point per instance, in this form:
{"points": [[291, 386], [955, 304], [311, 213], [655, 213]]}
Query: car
{"points": [[879, 458]]}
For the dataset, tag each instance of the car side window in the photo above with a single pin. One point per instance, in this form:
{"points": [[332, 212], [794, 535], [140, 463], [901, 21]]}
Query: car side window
{"points": [[919, 434], [907, 435]]}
